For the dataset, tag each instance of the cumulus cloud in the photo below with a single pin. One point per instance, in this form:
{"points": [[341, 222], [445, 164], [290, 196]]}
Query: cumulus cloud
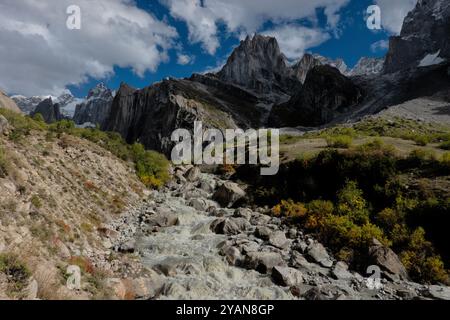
{"points": [[184, 59], [379, 46], [40, 55], [394, 12], [203, 17], [295, 39]]}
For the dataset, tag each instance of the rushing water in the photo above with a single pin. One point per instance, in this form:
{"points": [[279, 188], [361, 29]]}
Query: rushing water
{"points": [[189, 255]]}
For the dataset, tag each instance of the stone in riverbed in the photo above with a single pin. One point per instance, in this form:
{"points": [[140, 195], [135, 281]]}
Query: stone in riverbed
{"points": [[263, 262], [439, 292], [286, 277], [278, 239], [340, 271], [263, 233], [228, 194], [231, 226], [319, 254], [193, 174]]}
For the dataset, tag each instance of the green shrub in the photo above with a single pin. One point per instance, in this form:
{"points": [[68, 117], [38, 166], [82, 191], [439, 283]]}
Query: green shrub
{"points": [[4, 163], [151, 167], [421, 157], [351, 203], [36, 201], [288, 208], [421, 262], [445, 145], [23, 125], [421, 140], [39, 118], [341, 142], [16, 272]]}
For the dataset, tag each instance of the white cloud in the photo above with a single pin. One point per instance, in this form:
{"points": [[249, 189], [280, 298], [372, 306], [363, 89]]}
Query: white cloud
{"points": [[203, 17], [294, 40], [39, 55], [379, 46], [393, 12], [184, 59]]}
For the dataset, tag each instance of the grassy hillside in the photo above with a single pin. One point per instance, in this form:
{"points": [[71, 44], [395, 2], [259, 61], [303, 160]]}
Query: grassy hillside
{"points": [[60, 187]]}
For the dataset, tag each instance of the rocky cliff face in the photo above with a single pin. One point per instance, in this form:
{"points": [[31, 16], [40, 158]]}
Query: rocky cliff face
{"points": [[425, 32], [325, 95], [367, 66], [151, 115], [305, 64], [7, 103], [50, 111], [95, 109], [259, 65]]}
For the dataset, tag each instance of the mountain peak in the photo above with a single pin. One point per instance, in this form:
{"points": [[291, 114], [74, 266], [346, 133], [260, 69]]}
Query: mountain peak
{"points": [[258, 64], [99, 91]]}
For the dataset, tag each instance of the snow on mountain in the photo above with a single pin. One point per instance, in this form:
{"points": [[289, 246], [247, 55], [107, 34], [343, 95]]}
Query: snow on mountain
{"points": [[67, 102], [367, 66], [431, 60]]}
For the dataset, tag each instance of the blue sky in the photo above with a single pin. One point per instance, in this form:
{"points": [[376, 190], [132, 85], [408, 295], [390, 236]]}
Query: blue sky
{"points": [[354, 42], [141, 41]]}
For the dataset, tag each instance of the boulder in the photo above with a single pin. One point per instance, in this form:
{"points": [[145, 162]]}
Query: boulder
{"points": [[163, 219], [387, 260], [278, 239], [263, 262], [232, 254], [319, 254], [144, 288], [228, 194], [243, 213], [193, 174], [286, 277], [231, 226], [263, 233], [202, 204], [439, 292], [340, 271]]}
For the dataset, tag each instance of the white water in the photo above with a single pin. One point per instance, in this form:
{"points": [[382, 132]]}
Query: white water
{"points": [[201, 273]]}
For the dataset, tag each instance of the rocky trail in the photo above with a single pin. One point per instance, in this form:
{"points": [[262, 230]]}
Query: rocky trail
{"points": [[195, 248]]}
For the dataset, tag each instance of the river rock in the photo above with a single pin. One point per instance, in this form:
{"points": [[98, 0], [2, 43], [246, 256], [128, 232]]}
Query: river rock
{"points": [[278, 239], [193, 174], [230, 226], [263, 262], [319, 254], [263, 233], [387, 260], [439, 292], [286, 277], [228, 194], [340, 271], [243, 213], [202, 204], [232, 254], [162, 219]]}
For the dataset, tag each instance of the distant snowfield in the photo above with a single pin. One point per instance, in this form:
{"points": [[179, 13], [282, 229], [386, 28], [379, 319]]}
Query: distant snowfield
{"points": [[431, 60]]}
